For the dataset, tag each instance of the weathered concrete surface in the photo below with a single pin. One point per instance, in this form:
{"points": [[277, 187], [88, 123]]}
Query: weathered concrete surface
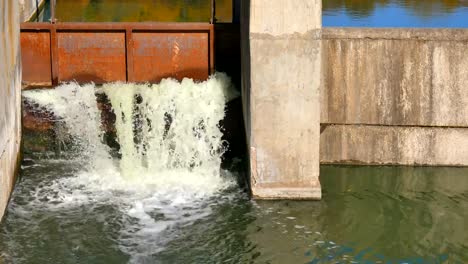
{"points": [[412, 77], [281, 77], [10, 100], [395, 96], [353, 144], [434, 34], [284, 17]]}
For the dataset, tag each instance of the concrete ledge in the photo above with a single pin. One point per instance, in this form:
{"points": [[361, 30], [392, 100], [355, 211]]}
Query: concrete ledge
{"points": [[390, 145], [290, 193], [315, 34], [437, 34]]}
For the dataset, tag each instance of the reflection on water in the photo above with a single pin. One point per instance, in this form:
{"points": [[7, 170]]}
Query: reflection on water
{"points": [[371, 214], [368, 215], [396, 13], [141, 10], [354, 13]]}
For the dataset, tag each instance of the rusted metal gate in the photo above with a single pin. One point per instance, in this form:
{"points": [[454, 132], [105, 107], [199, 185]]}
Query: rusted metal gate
{"points": [[107, 52]]}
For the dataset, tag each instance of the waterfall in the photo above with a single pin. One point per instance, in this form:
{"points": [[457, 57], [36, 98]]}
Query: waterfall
{"points": [[169, 133]]}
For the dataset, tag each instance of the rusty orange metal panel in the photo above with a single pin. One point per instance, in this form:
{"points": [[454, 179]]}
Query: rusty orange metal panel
{"points": [[104, 52], [91, 56], [35, 57], [158, 55]]}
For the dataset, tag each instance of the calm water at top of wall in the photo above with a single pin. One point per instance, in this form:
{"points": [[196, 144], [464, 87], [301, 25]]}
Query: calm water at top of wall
{"points": [[336, 13], [141, 10], [395, 13]]}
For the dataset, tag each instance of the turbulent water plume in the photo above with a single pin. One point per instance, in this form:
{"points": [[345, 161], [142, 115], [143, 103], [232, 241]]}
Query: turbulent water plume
{"points": [[169, 133], [167, 173]]}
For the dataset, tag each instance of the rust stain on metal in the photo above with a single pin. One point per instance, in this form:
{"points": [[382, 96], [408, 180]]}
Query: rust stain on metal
{"points": [[177, 55], [36, 120], [54, 55], [105, 52], [36, 62], [96, 57], [129, 53], [212, 49]]}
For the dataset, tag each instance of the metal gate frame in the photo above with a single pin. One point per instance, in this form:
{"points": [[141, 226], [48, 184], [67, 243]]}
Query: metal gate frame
{"points": [[129, 29]]}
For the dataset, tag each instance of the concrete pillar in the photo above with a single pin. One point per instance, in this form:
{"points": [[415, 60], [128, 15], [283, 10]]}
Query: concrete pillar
{"points": [[10, 98], [281, 78]]}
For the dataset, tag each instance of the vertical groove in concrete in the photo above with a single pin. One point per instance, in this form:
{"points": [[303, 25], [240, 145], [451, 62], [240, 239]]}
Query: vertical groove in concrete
{"points": [[10, 101], [282, 54]]}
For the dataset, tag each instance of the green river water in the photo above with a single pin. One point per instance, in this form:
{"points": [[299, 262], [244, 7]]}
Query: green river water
{"points": [[139, 10], [367, 215]]}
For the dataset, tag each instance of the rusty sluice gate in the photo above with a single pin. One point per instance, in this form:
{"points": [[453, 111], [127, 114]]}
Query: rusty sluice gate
{"points": [[107, 52], [132, 52]]}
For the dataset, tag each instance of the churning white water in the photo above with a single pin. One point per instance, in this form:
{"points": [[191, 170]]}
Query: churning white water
{"points": [[169, 158]]}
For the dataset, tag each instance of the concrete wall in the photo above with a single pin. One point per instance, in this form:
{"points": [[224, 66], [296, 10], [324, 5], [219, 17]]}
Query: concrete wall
{"points": [[395, 96], [10, 100], [281, 76]]}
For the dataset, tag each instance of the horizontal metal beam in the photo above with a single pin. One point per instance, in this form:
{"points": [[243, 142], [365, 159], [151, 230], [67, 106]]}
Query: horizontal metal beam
{"points": [[102, 52], [116, 26]]}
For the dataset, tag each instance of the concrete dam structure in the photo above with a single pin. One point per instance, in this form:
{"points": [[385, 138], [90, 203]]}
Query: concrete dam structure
{"points": [[309, 95], [395, 96], [281, 71], [11, 14], [346, 96]]}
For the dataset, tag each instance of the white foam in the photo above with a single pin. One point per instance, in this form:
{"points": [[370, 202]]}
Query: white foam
{"points": [[185, 155], [171, 170]]}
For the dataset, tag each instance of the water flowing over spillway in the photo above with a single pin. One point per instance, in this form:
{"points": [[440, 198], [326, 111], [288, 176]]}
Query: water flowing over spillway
{"points": [[178, 130], [169, 157], [168, 133]]}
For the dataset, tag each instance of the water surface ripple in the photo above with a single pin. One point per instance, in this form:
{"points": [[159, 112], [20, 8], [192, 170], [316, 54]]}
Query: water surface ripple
{"points": [[368, 215]]}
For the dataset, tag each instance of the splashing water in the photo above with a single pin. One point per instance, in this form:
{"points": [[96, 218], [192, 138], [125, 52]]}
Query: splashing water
{"points": [[178, 130], [169, 133], [169, 158]]}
